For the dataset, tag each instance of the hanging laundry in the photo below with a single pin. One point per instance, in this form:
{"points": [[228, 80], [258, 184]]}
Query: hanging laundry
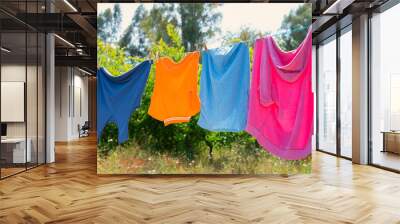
{"points": [[224, 92], [119, 96], [175, 97], [281, 99]]}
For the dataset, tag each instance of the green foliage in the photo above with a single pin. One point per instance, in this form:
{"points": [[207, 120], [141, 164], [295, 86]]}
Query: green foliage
{"points": [[174, 49], [155, 23], [109, 140], [247, 35], [294, 27], [148, 27], [108, 24], [235, 159], [114, 59], [199, 22], [195, 23], [134, 38]]}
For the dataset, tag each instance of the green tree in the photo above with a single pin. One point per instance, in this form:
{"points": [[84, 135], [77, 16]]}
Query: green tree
{"points": [[114, 59], [294, 27], [198, 23], [148, 27], [195, 22], [108, 24], [134, 38], [156, 21], [246, 34]]}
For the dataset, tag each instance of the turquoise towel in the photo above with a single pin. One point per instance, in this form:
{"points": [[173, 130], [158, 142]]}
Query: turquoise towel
{"points": [[224, 88]]}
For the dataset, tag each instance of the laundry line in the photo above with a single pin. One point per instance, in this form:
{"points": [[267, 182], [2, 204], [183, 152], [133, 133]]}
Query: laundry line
{"points": [[204, 46]]}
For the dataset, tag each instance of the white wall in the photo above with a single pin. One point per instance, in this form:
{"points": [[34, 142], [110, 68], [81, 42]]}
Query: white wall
{"points": [[80, 109], [70, 83], [61, 103], [12, 73]]}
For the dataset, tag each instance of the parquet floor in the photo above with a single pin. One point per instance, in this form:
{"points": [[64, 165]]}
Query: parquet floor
{"points": [[69, 191]]}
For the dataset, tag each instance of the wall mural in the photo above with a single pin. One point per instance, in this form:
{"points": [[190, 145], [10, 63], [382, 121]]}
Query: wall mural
{"points": [[193, 88]]}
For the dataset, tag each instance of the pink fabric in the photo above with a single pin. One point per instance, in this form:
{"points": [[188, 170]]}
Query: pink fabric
{"points": [[281, 99]]}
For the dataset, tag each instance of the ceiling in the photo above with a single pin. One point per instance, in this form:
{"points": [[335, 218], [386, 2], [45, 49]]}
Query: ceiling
{"points": [[74, 24]]}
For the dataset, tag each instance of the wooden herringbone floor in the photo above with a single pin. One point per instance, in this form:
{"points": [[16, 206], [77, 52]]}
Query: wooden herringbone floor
{"points": [[69, 191]]}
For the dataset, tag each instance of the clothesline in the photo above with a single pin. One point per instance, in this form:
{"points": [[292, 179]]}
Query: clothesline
{"points": [[300, 29], [204, 45]]}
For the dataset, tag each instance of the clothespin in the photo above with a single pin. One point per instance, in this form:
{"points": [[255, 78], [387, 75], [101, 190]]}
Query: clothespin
{"points": [[260, 35], [157, 55], [147, 58]]}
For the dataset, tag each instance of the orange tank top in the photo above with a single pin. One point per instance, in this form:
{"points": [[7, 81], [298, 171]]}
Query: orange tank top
{"points": [[175, 97]]}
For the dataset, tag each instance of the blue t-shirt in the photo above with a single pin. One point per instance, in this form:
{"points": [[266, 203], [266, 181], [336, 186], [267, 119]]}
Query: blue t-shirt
{"points": [[119, 96], [224, 88]]}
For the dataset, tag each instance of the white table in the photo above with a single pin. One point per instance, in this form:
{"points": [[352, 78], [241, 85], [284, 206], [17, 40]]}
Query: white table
{"points": [[18, 144]]}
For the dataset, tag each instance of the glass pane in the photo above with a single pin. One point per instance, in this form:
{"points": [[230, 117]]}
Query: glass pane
{"points": [[13, 86], [80, 108], [41, 99], [346, 94], [22, 82], [314, 87], [327, 96], [385, 85], [31, 97], [32, 86]]}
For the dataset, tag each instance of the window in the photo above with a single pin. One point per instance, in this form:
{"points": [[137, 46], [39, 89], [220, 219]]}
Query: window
{"points": [[346, 93], [394, 102], [22, 77], [327, 96], [385, 89]]}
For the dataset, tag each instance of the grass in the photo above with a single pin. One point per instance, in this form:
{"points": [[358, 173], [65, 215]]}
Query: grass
{"points": [[133, 159]]}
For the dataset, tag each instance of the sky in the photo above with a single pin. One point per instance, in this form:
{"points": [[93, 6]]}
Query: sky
{"points": [[265, 17]]}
